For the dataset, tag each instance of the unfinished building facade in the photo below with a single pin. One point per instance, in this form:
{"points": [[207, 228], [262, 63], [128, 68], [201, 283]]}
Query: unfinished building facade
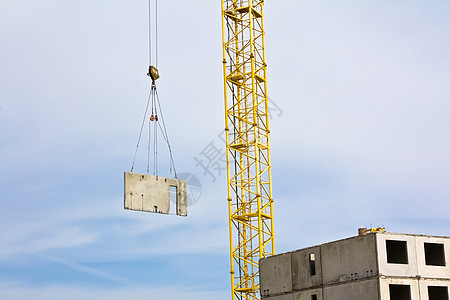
{"points": [[376, 266]]}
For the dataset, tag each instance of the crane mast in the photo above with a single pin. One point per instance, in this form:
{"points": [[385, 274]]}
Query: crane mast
{"points": [[250, 201]]}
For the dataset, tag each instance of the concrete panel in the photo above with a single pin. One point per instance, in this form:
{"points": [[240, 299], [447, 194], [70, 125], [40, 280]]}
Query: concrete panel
{"points": [[394, 269], [349, 259], [152, 193], [281, 297], [275, 275], [425, 283], [412, 283], [307, 295], [431, 270], [355, 290], [301, 269]]}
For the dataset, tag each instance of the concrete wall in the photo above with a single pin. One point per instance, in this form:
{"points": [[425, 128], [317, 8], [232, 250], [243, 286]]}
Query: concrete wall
{"points": [[303, 295], [366, 289], [353, 290], [428, 270], [282, 297], [306, 295], [336, 262], [349, 259], [412, 283], [275, 275], [425, 283], [152, 193], [393, 269], [301, 275], [416, 265]]}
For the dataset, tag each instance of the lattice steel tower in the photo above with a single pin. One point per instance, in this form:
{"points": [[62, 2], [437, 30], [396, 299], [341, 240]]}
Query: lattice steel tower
{"points": [[250, 199]]}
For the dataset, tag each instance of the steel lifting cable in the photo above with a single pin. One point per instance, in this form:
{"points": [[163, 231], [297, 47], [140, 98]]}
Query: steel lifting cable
{"points": [[165, 135], [150, 92], [140, 134], [150, 33], [156, 110], [154, 118], [156, 105], [149, 146], [155, 150], [153, 137], [156, 33]]}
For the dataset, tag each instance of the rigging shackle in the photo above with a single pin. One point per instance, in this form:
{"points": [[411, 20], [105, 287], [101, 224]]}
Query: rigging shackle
{"points": [[154, 117]]}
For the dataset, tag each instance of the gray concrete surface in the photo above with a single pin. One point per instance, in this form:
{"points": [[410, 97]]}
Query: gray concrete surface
{"points": [[152, 193], [357, 268], [301, 273], [430, 270], [411, 282], [277, 275], [425, 283], [284, 297], [394, 269], [308, 294], [349, 259], [354, 290]]}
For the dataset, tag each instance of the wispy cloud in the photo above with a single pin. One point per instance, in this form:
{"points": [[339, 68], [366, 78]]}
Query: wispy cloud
{"points": [[363, 138], [18, 291], [91, 271]]}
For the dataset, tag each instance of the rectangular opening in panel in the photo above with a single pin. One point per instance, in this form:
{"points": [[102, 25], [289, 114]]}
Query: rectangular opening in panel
{"points": [[434, 254], [312, 264], [173, 200], [437, 293], [397, 252], [314, 297], [399, 292]]}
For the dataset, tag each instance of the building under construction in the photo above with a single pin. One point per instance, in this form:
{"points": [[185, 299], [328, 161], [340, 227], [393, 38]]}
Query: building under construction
{"points": [[374, 266]]}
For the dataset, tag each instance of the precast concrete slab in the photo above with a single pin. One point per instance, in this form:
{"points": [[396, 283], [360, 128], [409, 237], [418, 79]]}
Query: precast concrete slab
{"points": [[306, 268], [349, 259], [400, 288], [366, 289], [282, 297], [151, 193], [311, 294], [430, 289], [432, 259], [276, 275], [396, 254]]}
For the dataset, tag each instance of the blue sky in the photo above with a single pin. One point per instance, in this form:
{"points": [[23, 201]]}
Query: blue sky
{"points": [[360, 137]]}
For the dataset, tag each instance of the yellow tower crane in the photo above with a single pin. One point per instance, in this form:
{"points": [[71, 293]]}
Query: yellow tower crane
{"points": [[250, 201]]}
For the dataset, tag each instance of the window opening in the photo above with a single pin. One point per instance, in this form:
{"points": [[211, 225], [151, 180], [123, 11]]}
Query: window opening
{"points": [[173, 200], [437, 293], [314, 297], [399, 292], [312, 264], [434, 254], [397, 252]]}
